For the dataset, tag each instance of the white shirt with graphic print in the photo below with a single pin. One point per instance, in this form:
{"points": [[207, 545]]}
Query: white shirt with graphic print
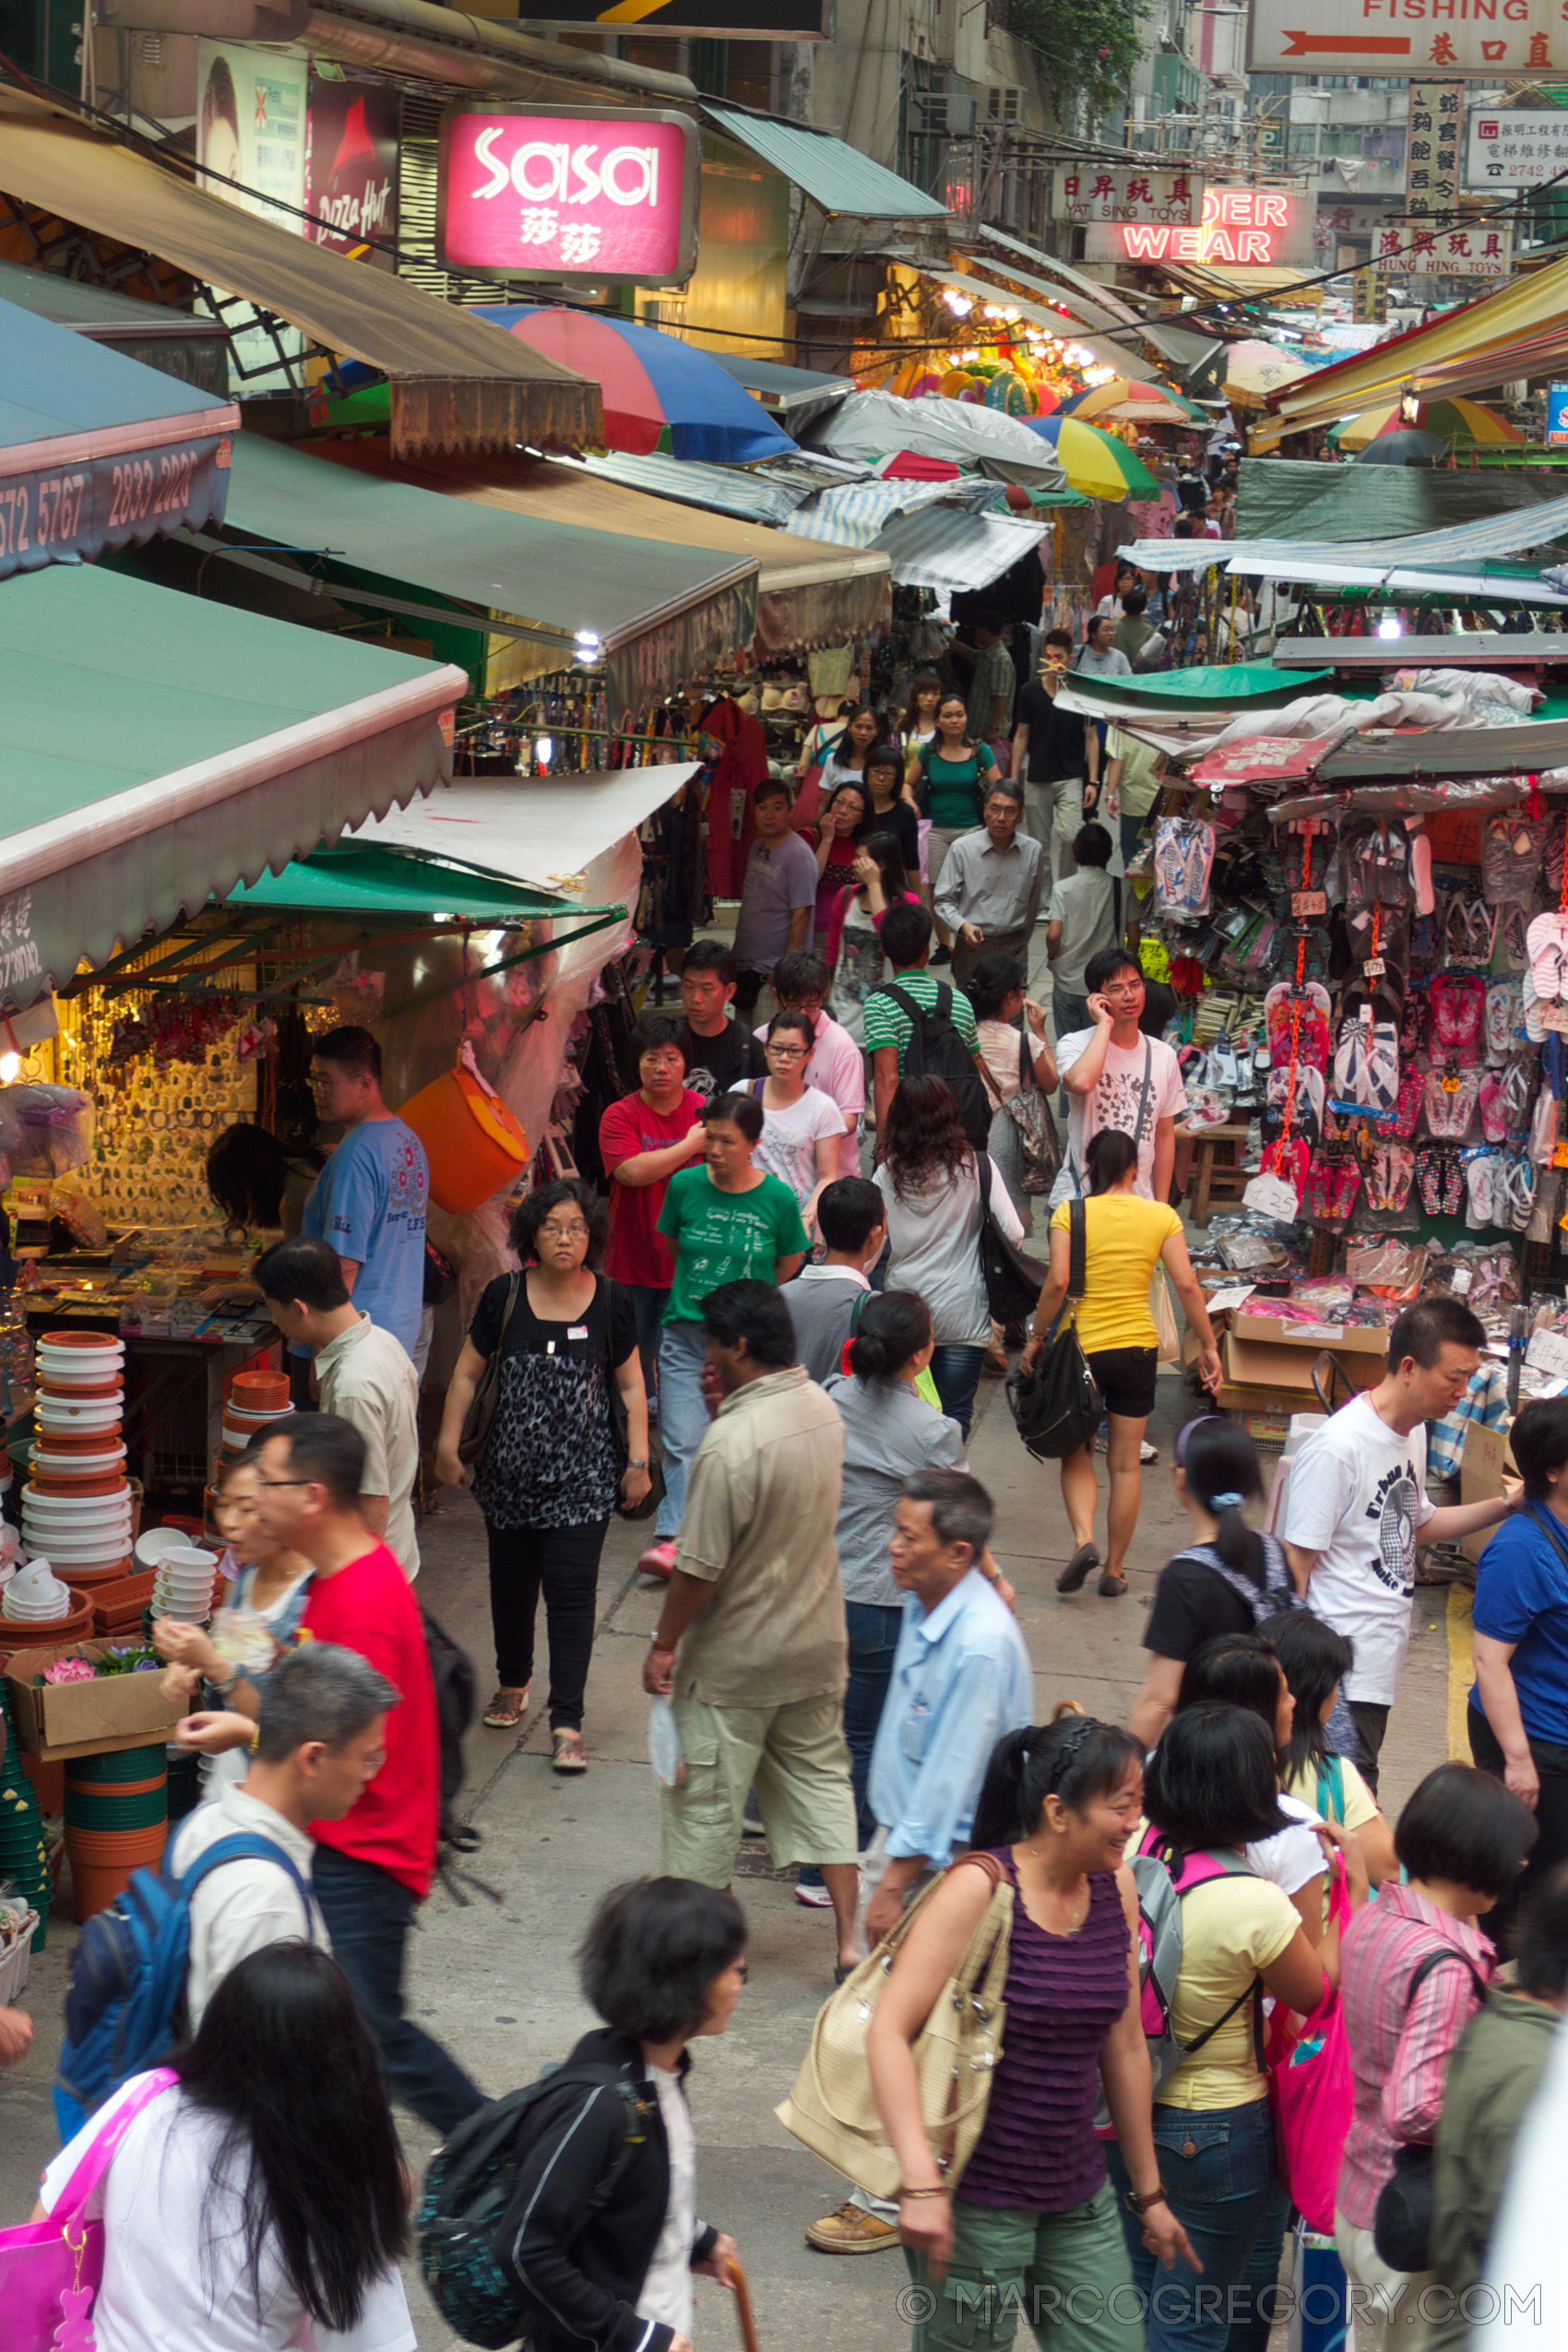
{"points": [[1358, 1498], [1114, 1103]]}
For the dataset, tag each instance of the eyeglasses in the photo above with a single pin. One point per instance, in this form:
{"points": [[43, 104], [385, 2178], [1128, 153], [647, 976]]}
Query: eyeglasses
{"points": [[564, 1232], [272, 1482], [788, 1052]]}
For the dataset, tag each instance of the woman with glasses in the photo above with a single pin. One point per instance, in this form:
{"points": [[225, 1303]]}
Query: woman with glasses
{"points": [[552, 1469], [802, 1126]]}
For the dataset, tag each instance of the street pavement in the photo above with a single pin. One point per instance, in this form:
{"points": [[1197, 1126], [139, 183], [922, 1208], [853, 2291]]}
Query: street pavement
{"points": [[497, 1980]]}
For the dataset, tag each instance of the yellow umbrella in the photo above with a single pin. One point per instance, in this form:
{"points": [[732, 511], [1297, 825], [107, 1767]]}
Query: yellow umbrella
{"points": [[1095, 462], [1121, 401], [1254, 369], [1465, 422]]}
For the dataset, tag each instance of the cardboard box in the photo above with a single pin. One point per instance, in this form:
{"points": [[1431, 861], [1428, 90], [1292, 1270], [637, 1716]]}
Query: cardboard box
{"points": [[1482, 1466], [1340, 1338], [62, 1720], [1252, 1364]]}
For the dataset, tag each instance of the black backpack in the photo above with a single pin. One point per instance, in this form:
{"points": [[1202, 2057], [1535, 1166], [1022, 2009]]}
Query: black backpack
{"points": [[452, 1672], [935, 1050], [470, 2183]]}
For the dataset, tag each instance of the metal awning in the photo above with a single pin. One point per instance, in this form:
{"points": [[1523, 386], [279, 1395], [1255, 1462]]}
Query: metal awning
{"points": [[458, 382], [833, 174], [156, 749], [1246, 279], [537, 828], [1451, 751], [1477, 649], [193, 350], [97, 451], [793, 395], [660, 611]]}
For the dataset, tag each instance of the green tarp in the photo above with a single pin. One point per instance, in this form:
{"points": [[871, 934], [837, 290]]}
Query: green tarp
{"points": [[381, 882], [1224, 684], [1296, 498]]}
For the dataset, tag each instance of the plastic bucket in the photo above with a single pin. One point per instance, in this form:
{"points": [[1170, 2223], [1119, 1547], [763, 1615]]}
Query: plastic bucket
{"points": [[143, 1763], [474, 1145]]}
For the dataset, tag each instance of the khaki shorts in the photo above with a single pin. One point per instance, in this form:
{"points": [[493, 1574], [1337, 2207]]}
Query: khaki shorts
{"points": [[798, 1759]]}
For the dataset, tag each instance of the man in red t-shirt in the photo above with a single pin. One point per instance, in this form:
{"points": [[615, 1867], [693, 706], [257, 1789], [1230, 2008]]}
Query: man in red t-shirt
{"points": [[643, 1139], [374, 1866]]}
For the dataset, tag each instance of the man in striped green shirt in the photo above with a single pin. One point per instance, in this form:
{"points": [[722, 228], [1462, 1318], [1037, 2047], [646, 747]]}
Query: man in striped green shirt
{"points": [[906, 941]]}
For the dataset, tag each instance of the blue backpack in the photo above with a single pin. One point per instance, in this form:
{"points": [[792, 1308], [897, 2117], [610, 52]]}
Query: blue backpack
{"points": [[124, 2003]]}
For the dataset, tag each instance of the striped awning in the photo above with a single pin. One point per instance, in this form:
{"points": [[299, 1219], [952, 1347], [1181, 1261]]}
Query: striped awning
{"points": [[857, 515], [1466, 543], [937, 547]]}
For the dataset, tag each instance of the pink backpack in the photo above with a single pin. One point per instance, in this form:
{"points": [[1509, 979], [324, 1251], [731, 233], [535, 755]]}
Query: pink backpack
{"points": [[1164, 1874]]}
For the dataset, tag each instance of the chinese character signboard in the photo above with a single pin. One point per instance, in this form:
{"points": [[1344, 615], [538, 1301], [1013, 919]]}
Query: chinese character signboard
{"points": [[1261, 228], [352, 167], [1478, 249], [1510, 150], [568, 192], [1556, 416], [251, 129], [1431, 150], [1093, 192], [1486, 40]]}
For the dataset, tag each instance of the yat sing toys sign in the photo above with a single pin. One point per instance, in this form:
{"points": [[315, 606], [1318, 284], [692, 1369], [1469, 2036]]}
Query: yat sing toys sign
{"points": [[568, 193]]}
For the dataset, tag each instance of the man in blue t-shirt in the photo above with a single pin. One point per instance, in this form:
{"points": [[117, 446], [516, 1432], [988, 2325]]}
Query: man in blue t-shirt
{"points": [[369, 1201]]}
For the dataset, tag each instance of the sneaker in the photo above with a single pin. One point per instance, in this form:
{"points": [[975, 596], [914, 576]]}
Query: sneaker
{"points": [[851, 2231], [816, 1898], [751, 1821], [658, 1561], [942, 955], [1147, 1452]]}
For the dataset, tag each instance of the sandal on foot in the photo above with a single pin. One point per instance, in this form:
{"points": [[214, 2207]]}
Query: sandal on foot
{"points": [[1110, 1586], [1077, 1568], [507, 1708], [566, 1752]]}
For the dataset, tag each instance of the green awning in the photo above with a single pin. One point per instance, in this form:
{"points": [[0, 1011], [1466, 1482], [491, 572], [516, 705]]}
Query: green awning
{"points": [[661, 611], [1222, 683], [833, 173], [404, 888], [156, 749]]}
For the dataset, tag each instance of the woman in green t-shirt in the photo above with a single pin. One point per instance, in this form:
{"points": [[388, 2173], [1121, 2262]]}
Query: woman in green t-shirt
{"points": [[950, 777]]}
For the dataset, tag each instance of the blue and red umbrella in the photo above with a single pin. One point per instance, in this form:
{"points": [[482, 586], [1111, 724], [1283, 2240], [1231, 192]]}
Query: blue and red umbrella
{"points": [[663, 398]]}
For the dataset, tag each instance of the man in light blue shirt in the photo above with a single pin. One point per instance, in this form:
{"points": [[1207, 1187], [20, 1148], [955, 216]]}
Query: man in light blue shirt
{"points": [[961, 1681], [369, 1201]]}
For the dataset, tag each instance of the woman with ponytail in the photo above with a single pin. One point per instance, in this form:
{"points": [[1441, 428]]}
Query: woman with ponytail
{"points": [[1034, 2217], [1227, 1580], [889, 1433]]}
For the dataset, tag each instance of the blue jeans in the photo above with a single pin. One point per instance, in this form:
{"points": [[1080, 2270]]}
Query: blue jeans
{"points": [[682, 1416], [1132, 831], [367, 1913], [647, 1306], [1221, 2194], [956, 1372], [873, 1637]]}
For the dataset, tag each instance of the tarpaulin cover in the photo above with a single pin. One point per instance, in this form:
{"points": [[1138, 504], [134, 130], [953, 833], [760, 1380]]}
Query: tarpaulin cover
{"points": [[1220, 684], [1468, 543], [403, 885], [156, 749], [870, 425], [1296, 498], [540, 829], [940, 548]]}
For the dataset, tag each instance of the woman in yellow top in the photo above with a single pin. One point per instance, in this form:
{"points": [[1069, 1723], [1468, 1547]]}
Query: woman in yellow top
{"points": [[1124, 1238]]}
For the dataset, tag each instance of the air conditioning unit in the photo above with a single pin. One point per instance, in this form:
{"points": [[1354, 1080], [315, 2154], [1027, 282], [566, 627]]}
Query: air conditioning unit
{"points": [[945, 113], [1005, 103]]}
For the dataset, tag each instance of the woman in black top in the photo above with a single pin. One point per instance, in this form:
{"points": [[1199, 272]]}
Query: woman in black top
{"points": [[552, 1467]]}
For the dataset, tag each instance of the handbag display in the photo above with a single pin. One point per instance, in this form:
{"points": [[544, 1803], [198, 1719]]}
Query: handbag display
{"points": [[1057, 1407], [481, 1415], [49, 2270], [1040, 1147], [832, 2109], [1014, 1280]]}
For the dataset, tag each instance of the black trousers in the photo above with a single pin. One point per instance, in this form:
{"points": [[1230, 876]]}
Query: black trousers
{"points": [[562, 1562], [1552, 1813], [1371, 1725]]}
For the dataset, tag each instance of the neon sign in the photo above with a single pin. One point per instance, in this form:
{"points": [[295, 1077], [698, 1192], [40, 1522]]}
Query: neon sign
{"points": [[568, 192], [1239, 224]]}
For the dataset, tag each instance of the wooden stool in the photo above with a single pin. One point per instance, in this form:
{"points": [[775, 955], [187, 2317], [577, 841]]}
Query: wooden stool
{"points": [[1214, 1177]]}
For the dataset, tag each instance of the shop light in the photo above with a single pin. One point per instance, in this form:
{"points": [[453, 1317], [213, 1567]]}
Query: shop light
{"points": [[588, 643], [1389, 626], [10, 1069], [543, 750]]}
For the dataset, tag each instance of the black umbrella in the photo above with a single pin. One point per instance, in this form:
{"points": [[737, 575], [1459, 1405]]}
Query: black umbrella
{"points": [[1409, 448]]}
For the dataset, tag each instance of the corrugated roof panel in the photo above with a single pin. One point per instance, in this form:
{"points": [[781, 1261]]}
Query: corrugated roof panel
{"points": [[833, 173], [854, 515], [940, 547], [723, 490]]}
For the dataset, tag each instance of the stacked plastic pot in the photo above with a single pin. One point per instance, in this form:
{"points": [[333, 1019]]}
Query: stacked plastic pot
{"points": [[24, 1842], [116, 1822], [76, 1506], [252, 1401]]}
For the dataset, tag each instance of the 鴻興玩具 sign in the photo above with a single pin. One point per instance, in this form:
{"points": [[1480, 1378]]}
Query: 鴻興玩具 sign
{"points": [[606, 195]]}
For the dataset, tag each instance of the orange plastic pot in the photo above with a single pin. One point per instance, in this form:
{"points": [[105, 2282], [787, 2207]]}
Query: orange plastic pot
{"points": [[473, 1143], [94, 1885], [105, 1849]]}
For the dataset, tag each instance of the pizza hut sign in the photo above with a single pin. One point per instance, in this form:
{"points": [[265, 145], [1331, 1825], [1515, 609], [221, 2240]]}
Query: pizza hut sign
{"points": [[568, 192]]}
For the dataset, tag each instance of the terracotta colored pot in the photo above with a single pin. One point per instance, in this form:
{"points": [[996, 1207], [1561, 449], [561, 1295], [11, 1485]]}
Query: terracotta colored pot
{"points": [[55, 1633], [256, 1391], [88, 1483]]}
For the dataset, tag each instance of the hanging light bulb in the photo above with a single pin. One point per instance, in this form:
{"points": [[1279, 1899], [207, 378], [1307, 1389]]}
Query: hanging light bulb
{"points": [[10, 1069], [1389, 626]]}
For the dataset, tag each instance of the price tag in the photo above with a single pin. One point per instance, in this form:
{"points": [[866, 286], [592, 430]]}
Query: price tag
{"points": [[1552, 1017], [1548, 1353], [1308, 902], [1272, 1196], [1374, 968], [1233, 1295]]}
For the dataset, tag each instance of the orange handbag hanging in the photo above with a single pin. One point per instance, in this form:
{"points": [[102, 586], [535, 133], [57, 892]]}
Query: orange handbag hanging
{"points": [[475, 1145]]}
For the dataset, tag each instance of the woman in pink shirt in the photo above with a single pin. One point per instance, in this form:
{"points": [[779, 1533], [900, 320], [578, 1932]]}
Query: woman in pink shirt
{"points": [[1413, 1967]]}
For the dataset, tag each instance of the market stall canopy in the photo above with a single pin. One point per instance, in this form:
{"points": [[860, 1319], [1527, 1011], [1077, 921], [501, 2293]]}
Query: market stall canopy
{"points": [[456, 381], [1477, 649], [752, 495], [942, 548], [833, 174], [807, 594], [97, 451], [156, 749], [1451, 751], [871, 425], [1464, 544], [193, 350], [974, 288], [1120, 330], [1466, 424], [1205, 686], [383, 885], [662, 397], [1254, 369], [792, 394], [1097, 464], [657, 612], [538, 829], [1120, 401], [1299, 498], [1521, 330]]}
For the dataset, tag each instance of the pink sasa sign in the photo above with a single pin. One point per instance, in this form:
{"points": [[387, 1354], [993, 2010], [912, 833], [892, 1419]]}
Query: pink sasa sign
{"points": [[568, 193]]}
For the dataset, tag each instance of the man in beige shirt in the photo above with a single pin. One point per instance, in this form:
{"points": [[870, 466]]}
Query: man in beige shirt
{"points": [[365, 1376], [751, 1648]]}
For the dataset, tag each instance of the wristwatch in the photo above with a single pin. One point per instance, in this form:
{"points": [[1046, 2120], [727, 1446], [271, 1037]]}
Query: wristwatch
{"points": [[635, 1462], [1141, 2205], [224, 1685]]}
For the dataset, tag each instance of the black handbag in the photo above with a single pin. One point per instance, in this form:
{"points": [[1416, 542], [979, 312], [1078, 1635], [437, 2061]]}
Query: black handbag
{"points": [[476, 1422], [1014, 1280], [1406, 2203], [1057, 1407]]}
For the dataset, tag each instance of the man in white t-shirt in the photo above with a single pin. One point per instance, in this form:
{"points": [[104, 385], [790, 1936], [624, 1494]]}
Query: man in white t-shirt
{"points": [[1357, 1504], [321, 1739], [1116, 1076]]}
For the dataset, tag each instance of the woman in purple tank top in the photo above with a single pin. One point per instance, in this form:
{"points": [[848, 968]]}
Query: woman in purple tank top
{"points": [[1032, 2231]]}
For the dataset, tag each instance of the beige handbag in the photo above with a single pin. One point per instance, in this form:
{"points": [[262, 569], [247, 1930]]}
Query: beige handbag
{"points": [[831, 2108], [1164, 1315]]}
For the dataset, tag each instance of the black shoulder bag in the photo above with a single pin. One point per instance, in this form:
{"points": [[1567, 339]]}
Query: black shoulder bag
{"points": [[1014, 1280], [1056, 1405], [481, 1415]]}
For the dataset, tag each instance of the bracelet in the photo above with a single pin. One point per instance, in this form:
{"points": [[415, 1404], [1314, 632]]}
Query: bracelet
{"points": [[661, 1649], [633, 1463], [1141, 2205], [920, 2193]]}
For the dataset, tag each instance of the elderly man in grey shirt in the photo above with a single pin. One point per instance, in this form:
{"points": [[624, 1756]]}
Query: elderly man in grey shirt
{"points": [[991, 887]]}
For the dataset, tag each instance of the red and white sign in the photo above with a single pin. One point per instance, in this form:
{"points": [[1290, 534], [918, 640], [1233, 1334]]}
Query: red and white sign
{"points": [[1492, 40], [568, 193], [1260, 228], [1275, 759]]}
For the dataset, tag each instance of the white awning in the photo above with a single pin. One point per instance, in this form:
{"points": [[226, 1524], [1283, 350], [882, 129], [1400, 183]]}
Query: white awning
{"points": [[546, 830]]}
